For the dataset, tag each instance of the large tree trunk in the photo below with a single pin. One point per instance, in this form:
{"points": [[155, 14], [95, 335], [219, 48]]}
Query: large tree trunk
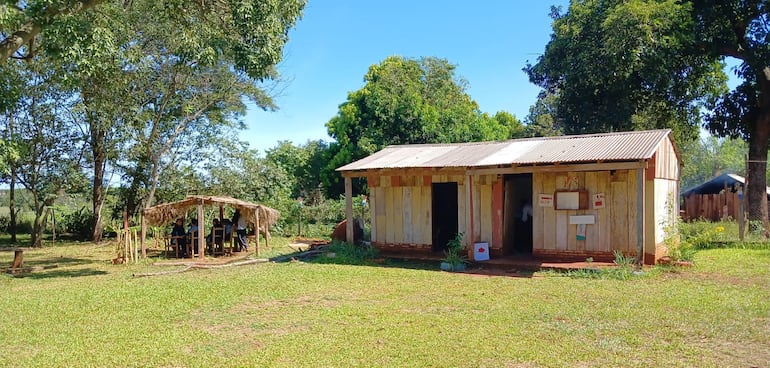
{"points": [[758, 146], [12, 226], [97, 148], [37, 226]]}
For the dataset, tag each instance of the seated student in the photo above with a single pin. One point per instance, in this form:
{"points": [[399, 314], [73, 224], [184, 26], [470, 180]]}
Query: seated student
{"points": [[193, 230], [178, 236], [228, 225], [210, 240]]}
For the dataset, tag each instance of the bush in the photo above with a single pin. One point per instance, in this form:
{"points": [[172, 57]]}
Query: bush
{"points": [[345, 253], [79, 223]]}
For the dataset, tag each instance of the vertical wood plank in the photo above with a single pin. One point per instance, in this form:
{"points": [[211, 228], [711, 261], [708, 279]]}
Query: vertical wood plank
{"points": [[348, 209], [549, 214], [561, 230], [471, 220], [497, 213], [634, 208], [406, 206], [477, 213], [417, 215], [538, 229], [592, 233], [427, 218], [486, 213], [619, 215], [398, 214], [390, 236], [381, 211], [373, 199], [602, 214]]}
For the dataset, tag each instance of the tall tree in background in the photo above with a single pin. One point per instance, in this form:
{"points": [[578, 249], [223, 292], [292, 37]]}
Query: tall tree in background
{"points": [[636, 64], [407, 101], [162, 79], [710, 156], [50, 147]]}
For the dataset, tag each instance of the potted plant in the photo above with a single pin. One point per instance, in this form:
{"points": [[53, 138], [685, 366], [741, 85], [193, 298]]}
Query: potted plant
{"points": [[454, 259]]}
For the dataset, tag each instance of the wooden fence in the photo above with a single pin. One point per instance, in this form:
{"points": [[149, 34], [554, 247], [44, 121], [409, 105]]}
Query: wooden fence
{"points": [[713, 207]]}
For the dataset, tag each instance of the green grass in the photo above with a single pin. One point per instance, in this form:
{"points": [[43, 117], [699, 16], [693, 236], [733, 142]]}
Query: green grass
{"points": [[88, 312]]}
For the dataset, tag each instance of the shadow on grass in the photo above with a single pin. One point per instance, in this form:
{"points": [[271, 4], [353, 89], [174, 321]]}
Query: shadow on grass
{"points": [[345, 254], [55, 273]]}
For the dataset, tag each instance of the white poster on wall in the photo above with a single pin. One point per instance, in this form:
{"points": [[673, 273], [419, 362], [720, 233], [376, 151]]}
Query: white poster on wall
{"points": [[598, 200], [545, 200]]}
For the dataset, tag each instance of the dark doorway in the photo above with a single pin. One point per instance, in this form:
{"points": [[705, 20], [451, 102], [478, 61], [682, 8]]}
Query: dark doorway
{"points": [[518, 208], [444, 214]]}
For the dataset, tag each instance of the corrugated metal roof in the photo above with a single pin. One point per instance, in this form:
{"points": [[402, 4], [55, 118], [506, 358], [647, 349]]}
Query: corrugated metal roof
{"points": [[621, 146]]}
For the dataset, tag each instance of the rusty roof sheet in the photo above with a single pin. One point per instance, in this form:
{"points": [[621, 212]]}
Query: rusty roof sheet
{"points": [[620, 146]]}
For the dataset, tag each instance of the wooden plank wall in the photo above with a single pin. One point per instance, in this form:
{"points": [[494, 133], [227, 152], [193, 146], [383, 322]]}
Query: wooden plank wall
{"points": [[711, 206], [615, 224], [402, 208], [665, 162]]}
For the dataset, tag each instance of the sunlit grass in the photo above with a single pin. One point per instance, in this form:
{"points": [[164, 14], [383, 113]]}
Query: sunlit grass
{"points": [[88, 312]]}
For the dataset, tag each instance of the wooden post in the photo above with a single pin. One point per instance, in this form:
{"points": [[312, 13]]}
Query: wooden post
{"points": [[18, 258], [469, 196], [126, 240], [349, 209], [201, 237], [640, 221], [144, 235], [256, 230]]}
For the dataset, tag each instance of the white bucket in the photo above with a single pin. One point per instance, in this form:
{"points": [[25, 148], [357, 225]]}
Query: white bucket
{"points": [[481, 251]]}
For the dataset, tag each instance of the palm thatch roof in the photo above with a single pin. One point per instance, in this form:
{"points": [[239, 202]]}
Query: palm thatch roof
{"points": [[166, 213]]}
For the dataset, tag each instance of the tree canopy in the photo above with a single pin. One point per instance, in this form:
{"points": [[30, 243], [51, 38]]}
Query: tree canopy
{"points": [[408, 101], [636, 64]]}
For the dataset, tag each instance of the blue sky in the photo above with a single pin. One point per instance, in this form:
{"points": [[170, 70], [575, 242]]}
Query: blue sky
{"points": [[336, 42]]}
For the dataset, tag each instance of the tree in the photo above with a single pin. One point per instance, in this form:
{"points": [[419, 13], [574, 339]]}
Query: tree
{"points": [[22, 21], [154, 77], [661, 63], [50, 149], [542, 119], [303, 164], [406, 101], [710, 156]]}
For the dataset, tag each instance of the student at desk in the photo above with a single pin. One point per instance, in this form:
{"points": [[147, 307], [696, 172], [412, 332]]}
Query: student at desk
{"points": [[179, 237], [193, 231]]}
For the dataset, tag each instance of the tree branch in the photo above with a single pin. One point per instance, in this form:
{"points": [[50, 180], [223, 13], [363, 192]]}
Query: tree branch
{"points": [[32, 28]]}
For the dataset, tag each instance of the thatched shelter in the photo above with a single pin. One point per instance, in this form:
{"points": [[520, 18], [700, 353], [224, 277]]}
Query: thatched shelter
{"points": [[163, 214]]}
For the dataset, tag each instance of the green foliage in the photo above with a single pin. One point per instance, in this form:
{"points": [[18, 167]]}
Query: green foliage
{"points": [[643, 81], [708, 157], [79, 223], [345, 253], [408, 101], [662, 67], [455, 252], [367, 313]]}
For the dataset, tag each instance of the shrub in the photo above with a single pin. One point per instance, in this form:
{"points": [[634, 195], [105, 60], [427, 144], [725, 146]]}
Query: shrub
{"points": [[79, 223]]}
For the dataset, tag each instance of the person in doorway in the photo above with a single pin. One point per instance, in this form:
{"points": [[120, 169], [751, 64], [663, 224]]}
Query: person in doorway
{"points": [[526, 211], [240, 229], [525, 228]]}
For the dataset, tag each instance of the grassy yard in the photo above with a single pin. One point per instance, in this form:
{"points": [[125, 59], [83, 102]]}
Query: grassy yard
{"points": [[88, 312]]}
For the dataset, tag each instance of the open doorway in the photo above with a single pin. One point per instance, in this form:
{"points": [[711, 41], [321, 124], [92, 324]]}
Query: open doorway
{"points": [[517, 231], [444, 214]]}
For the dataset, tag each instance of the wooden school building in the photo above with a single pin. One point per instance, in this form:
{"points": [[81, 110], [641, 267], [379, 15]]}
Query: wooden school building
{"points": [[560, 198]]}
